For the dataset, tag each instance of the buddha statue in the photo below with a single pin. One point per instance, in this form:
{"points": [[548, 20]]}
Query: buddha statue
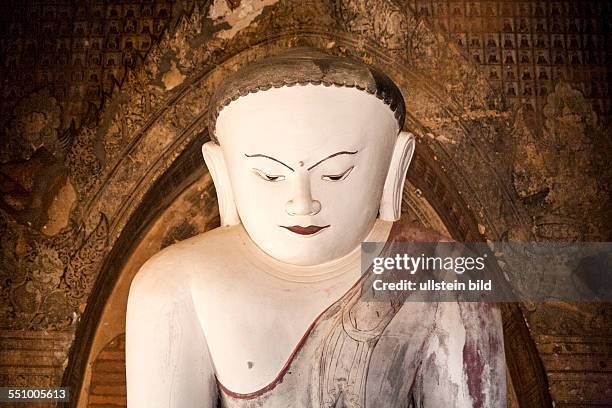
{"points": [[309, 160]]}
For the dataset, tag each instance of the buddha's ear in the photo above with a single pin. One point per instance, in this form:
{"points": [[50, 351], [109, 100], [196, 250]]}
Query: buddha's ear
{"points": [[213, 156], [391, 202]]}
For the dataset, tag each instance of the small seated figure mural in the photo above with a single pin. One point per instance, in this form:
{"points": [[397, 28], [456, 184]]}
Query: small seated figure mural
{"points": [[309, 160]]}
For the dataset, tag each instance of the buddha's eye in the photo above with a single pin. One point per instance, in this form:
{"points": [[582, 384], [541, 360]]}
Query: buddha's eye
{"points": [[268, 177], [337, 177]]}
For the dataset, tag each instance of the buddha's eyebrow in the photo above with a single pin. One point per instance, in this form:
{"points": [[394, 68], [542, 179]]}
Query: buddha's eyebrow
{"points": [[329, 157], [268, 157]]}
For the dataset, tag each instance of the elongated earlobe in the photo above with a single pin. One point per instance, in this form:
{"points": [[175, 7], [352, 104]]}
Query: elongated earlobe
{"points": [[213, 156], [391, 202]]}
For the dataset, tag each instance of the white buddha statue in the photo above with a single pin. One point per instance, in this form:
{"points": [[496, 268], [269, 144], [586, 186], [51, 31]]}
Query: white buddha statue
{"points": [[308, 160]]}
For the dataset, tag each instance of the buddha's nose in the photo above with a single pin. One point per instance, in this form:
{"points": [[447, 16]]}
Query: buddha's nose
{"points": [[302, 202]]}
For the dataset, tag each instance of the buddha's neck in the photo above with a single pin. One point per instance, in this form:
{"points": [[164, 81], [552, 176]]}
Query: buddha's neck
{"points": [[315, 273]]}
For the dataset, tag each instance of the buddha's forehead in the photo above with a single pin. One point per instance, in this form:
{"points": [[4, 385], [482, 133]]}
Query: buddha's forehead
{"points": [[305, 118]]}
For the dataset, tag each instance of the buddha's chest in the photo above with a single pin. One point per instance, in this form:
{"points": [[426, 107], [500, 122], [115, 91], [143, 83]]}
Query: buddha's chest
{"points": [[324, 339], [349, 358], [254, 329]]}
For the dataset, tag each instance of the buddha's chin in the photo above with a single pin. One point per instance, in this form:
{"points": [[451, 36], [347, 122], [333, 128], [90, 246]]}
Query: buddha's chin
{"points": [[307, 245], [310, 251]]}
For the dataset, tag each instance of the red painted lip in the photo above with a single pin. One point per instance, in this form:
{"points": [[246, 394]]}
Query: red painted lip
{"points": [[309, 230]]}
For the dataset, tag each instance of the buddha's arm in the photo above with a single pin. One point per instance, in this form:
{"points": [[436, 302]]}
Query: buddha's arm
{"points": [[167, 359], [463, 363]]}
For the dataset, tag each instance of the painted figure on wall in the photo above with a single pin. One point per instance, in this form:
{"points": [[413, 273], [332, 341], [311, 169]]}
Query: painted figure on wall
{"points": [[309, 159]]}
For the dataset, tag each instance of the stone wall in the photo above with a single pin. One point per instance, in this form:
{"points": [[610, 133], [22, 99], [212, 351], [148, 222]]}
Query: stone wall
{"points": [[107, 387]]}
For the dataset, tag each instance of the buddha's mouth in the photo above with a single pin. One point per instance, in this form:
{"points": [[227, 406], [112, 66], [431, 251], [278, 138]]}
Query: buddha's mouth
{"points": [[309, 230]]}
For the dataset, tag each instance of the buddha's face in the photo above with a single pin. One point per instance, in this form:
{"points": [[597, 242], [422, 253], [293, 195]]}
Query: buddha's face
{"points": [[307, 165]]}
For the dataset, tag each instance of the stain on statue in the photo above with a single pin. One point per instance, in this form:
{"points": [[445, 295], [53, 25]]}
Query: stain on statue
{"points": [[309, 159]]}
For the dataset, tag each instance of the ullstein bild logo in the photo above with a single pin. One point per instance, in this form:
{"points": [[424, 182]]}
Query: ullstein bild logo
{"points": [[487, 272], [432, 285]]}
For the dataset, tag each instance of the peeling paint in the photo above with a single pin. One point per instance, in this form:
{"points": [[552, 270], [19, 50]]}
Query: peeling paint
{"points": [[59, 210], [173, 77], [239, 18]]}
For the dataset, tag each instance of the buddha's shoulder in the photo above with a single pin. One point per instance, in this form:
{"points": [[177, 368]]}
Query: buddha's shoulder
{"points": [[199, 254]]}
